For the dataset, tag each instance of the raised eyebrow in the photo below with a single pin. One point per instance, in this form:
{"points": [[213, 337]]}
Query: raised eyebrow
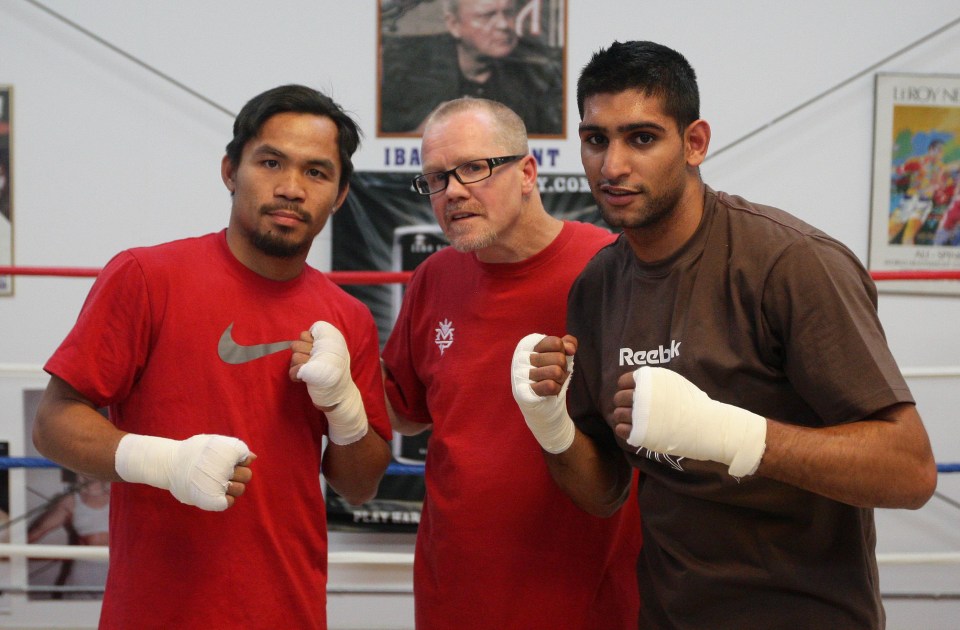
{"points": [[627, 128], [461, 162], [322, 164], [640, 126], [265, 150]]}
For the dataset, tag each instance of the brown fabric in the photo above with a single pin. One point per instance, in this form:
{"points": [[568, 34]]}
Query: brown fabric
{"points": [[764, 312]]}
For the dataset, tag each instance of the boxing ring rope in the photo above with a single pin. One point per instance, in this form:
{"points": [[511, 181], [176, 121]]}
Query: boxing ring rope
{"points": [[354, 558], [338, 277], [400, 277]]}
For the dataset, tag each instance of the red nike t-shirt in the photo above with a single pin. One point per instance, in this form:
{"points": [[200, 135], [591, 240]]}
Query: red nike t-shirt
{"points": [[181, 339]]}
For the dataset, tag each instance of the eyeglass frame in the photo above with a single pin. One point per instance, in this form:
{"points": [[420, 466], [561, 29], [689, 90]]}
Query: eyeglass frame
{"points": [[492, 163]]}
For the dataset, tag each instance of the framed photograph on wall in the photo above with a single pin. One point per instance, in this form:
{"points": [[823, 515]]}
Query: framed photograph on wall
{"points": [[6, 198], [915, 214], [512, 51], [65, 508]]}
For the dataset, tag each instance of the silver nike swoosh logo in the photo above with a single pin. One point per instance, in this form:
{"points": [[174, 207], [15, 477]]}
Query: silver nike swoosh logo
{"points": [[233, 353]]}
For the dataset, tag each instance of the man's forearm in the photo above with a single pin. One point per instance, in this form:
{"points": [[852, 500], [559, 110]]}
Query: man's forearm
{"points": [[355, 470], [597, 481]]}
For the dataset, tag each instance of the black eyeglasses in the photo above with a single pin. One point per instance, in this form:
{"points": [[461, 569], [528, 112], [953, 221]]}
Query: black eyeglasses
{"points": [[467, 173]]}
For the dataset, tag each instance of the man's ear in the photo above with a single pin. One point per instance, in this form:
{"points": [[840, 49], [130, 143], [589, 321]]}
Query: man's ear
{"points": [[452, 22], [228, 174], [697, 142], [529, 174]]}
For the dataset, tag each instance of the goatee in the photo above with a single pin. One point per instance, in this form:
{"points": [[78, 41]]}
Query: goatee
{"points": [[273, 245]]}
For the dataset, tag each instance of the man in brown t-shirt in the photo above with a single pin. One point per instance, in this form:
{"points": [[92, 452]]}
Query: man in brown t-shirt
{"points": [[734, 355]]}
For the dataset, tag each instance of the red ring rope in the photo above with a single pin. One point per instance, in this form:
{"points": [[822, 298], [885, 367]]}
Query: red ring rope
{"points": [[339, 277], [400, 277]]}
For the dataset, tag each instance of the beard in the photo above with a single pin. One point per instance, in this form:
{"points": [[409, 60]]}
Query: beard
{"points": [[278, 242], [471, 242], [273, 244], [655, 209], [468, 239]]}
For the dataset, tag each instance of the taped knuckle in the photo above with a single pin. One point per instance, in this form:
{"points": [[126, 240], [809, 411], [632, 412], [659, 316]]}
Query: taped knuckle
{"points": [[526, 397], [206, 465], [528, 343], [322, 371]]}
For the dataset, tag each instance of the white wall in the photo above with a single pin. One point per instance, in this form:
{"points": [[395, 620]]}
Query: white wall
{"points": [[108, 156]]}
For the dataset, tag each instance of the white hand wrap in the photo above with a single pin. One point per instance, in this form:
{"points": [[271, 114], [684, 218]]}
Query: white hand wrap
{"points": [[196, 471], [546, 416], [673, 416], [327, 375]]}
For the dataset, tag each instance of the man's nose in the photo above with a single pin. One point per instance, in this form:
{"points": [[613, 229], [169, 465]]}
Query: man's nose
{"points": [[290, 186], [615, 162]]}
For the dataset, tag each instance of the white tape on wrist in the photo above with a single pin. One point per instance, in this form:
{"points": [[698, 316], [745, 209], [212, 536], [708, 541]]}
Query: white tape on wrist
{"points": [[546, 416], [673, 416], [327, 375], [196, 471]]}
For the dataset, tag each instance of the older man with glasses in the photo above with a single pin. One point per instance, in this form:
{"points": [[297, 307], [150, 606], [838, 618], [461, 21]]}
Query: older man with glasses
{"points": [[499, 546]]}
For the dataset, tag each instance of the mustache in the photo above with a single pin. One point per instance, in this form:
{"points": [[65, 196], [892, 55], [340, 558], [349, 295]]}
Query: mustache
{"points": [[621, 183], [469, 205], [295, 208]]}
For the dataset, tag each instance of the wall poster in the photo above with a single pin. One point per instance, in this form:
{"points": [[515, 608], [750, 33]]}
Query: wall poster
{"points": [[64, 508], [512, 51], [6, 204], [915, 216]]}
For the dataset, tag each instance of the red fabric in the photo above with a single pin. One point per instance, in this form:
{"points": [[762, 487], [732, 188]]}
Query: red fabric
{"points": [[499, 544], [146, 344]]}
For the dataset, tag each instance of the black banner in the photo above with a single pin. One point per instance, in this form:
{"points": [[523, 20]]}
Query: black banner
{"points": [[386, 226]]}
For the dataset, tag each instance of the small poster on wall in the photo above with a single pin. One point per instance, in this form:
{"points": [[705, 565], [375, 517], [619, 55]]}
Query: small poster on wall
{"points": [[915, 218], [512, 51], [65, 508], [6, 204], [5, 523]]}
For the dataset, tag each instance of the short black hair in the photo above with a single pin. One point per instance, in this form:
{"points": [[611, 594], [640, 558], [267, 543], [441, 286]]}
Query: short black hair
{"points": [[647, 66], [298, 99]]}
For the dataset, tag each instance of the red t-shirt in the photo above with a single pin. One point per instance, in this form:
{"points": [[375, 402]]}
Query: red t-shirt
{"points": [[148, 343], [499, 544]]}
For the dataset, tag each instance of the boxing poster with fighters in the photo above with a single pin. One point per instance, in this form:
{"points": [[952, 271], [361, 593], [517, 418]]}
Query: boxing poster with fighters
{"points": [[386, 226], [63, 508], [431, 51], [915, 218], [5, 523]]}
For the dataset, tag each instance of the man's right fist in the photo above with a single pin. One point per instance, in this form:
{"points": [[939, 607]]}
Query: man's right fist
{"points": [[197, 471], [546, 416]]}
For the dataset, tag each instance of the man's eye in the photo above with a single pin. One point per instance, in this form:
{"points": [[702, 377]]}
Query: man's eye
{"points": [[435, 179], [271, 163], [595, 139], [644, 138]]}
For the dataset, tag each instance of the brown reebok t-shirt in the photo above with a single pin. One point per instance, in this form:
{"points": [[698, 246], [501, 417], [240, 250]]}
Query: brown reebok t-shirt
{"points": [[765, 312]]}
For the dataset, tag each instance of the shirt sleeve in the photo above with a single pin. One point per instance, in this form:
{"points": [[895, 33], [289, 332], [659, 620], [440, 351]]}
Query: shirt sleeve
{"points": [[820, 312], [365, 371], [106, 351], [405, 391], [583, 395]]}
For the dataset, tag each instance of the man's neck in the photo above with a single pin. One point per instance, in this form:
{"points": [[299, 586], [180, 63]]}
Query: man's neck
{"points": [[659, 241], [262, 264], [526, 239]]}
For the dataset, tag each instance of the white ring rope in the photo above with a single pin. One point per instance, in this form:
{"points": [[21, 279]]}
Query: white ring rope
{"points": [[101, 554]]}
